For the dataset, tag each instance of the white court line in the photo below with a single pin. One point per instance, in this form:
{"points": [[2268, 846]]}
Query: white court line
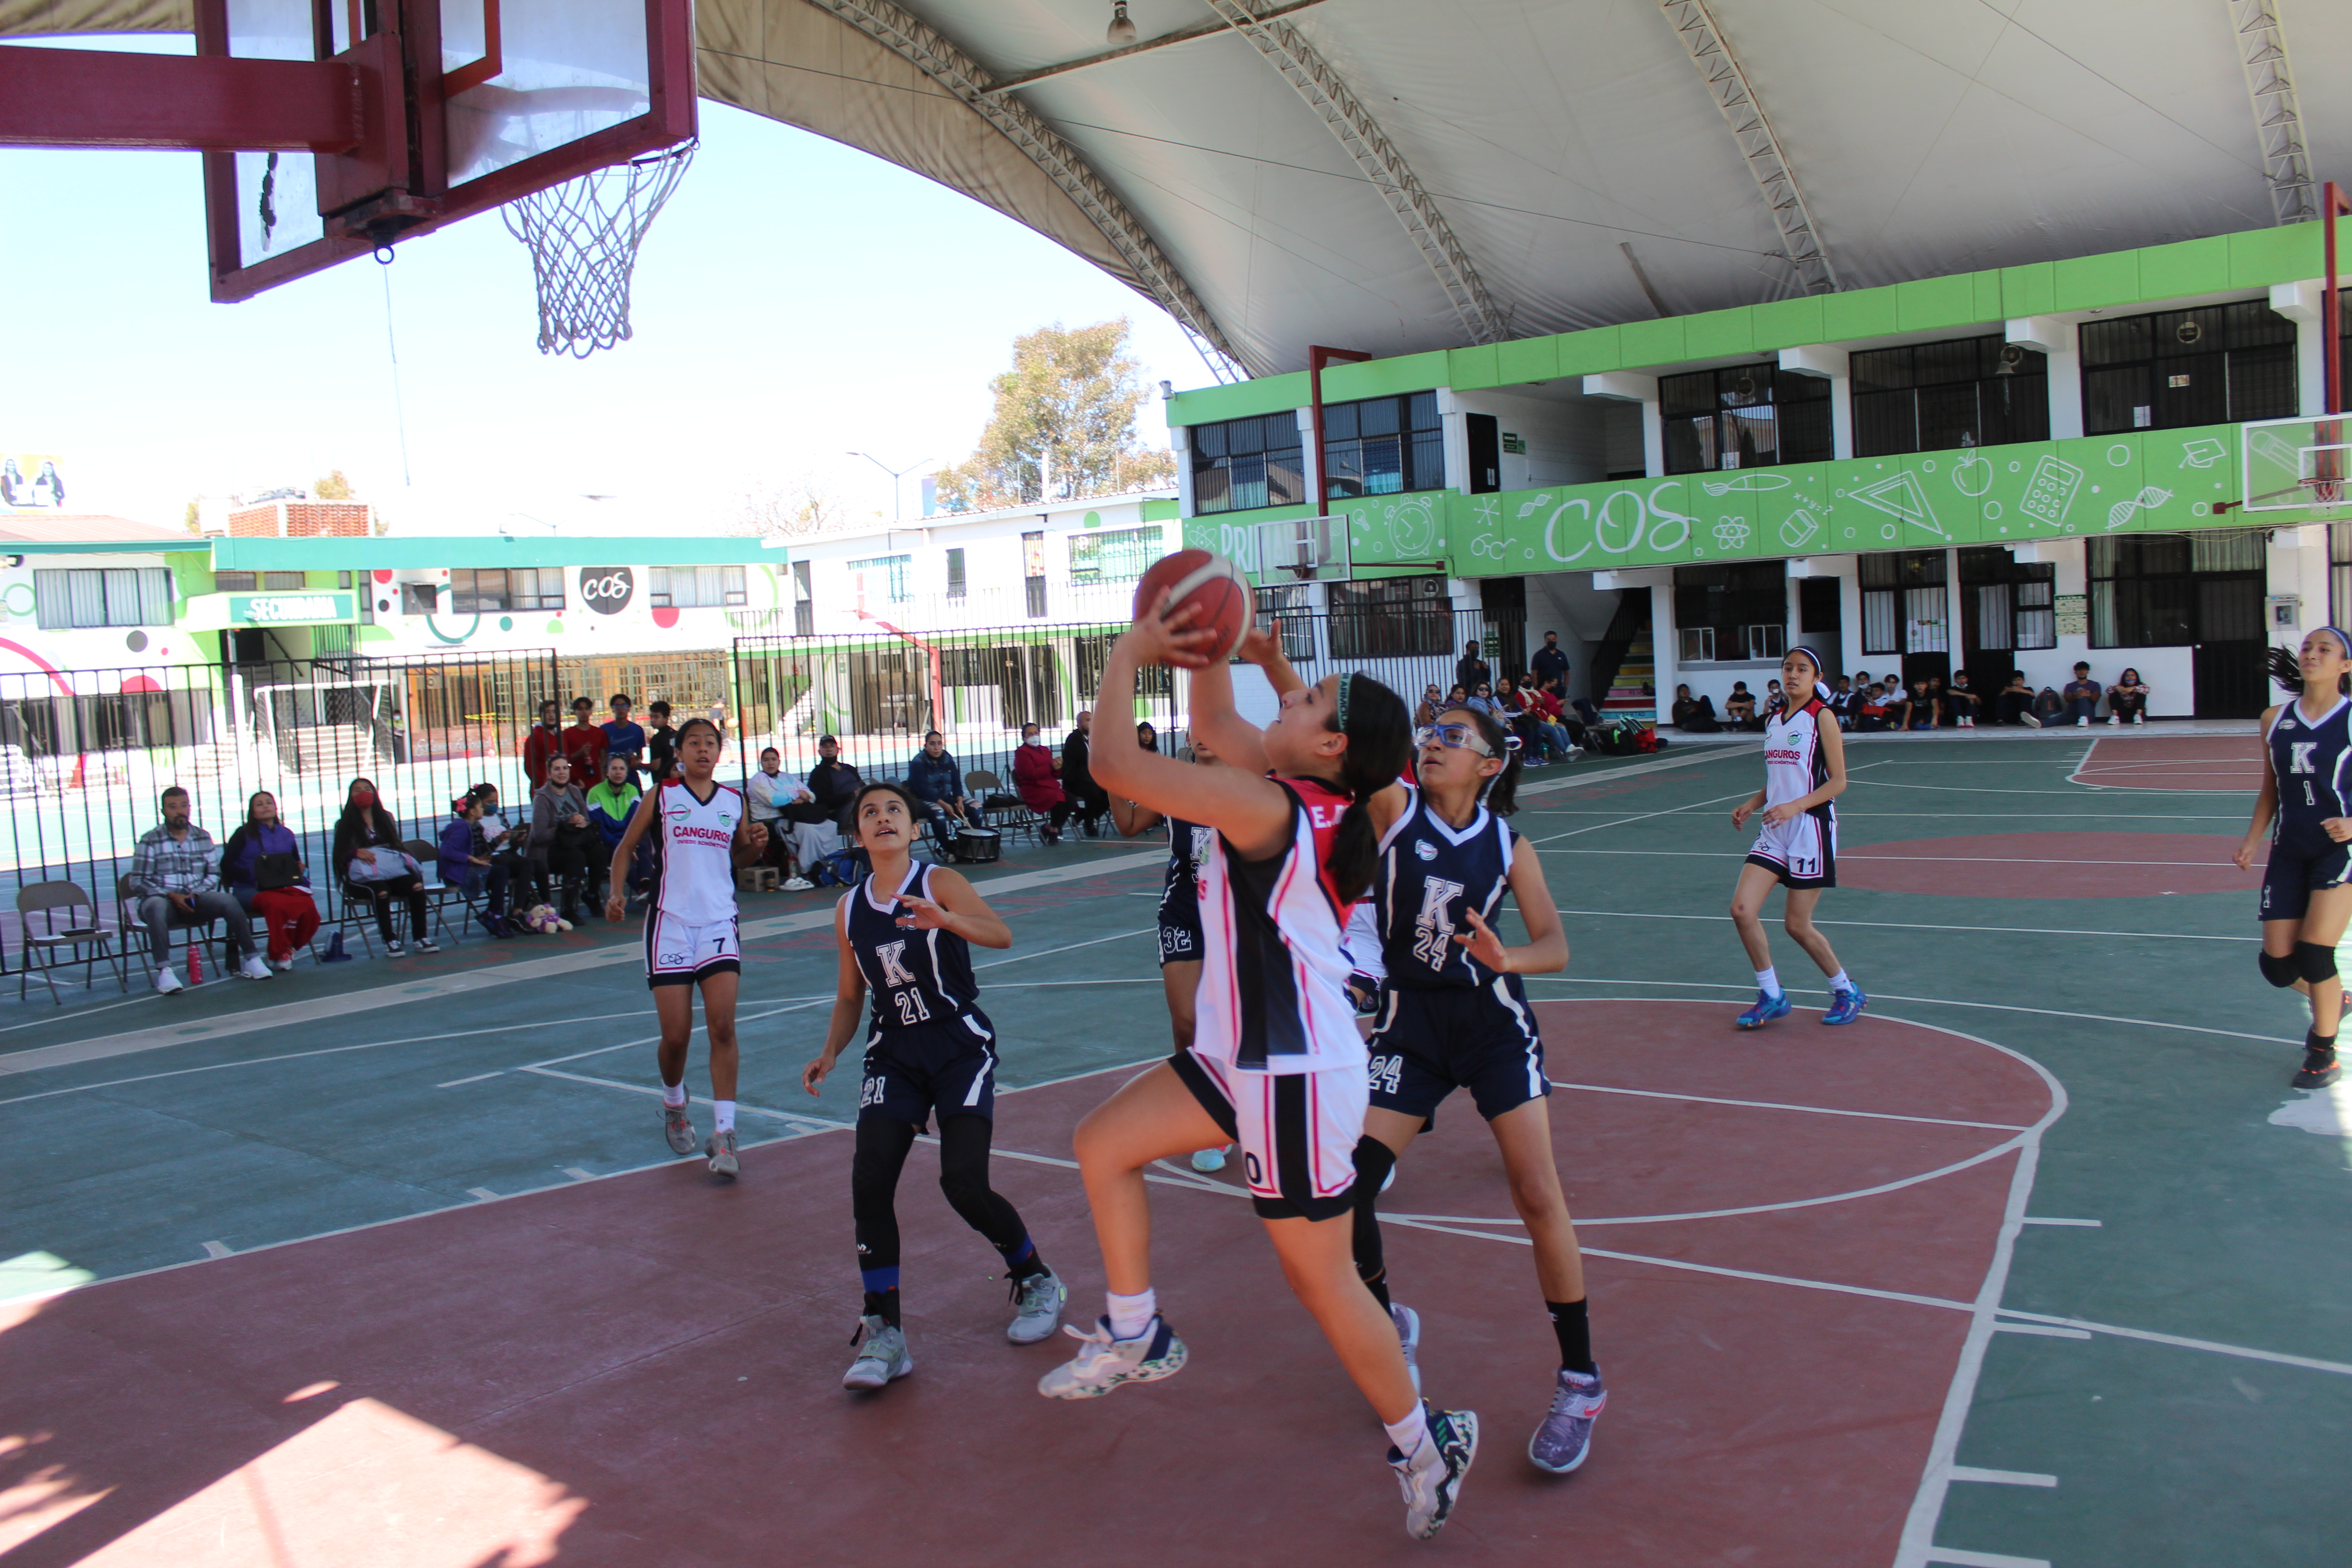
{"points": [[480, 1194], [1957, 1558], [2002, 1478], [1775, 1105], [2070, 793], [1066, 947], [2044, 1219], [1919, 925], [1644, 816], [2050, 1330], [1900, 859], [219, 1249], [801, 1123], [478, 1078]]}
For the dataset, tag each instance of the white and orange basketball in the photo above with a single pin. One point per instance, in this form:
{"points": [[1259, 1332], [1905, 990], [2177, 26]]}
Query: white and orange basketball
{"points": [[1212, 584]]}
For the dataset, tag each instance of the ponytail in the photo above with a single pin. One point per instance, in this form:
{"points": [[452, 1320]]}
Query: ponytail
{"points": [[2287, 670], [1501, 793], [1378, 728]]}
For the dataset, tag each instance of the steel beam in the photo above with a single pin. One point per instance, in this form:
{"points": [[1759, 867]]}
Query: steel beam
{"points": [[2278, 118], [95, 98]]}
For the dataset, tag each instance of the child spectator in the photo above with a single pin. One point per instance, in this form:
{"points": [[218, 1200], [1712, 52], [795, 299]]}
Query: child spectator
{"points": [[2014, 702], [2127, 699], [1960, 701], [1740, 706], [466, 862]]}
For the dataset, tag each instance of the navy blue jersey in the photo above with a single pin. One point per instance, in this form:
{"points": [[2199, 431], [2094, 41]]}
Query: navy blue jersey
{"points": [[914, 976], [1180, 895], [1429, 875], [2307, 758]]}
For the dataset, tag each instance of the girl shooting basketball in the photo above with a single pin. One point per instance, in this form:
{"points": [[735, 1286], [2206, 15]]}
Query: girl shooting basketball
{"points": [[701, 835], [1804, 771], [2305, 894], [1275, 1063], [905, 934]]}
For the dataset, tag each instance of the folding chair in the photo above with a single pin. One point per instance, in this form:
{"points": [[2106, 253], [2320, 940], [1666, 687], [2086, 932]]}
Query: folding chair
{"points": [[438, 890], [47, 900], [134, 930], [1017, 817]]}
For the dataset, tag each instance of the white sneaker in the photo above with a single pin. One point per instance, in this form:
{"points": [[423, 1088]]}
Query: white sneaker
{"points": [[165, 981], [1207, 1160], [1431, 1478], [2029, 721], [881, 1360], [254, 967], [394, 949], [2113, 720], [2082, 723], [1037, 1307], [797, 884], [1105, 1362], [283, 965], [2139, 718]]}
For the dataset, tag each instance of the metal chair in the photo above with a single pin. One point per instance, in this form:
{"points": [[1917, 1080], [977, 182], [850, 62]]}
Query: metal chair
{"points": [[46, 899], [134, 930], [1017, 817], [440, 889]]}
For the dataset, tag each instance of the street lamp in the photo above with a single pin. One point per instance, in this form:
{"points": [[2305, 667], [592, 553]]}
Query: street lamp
{"points": [[896, 511]]}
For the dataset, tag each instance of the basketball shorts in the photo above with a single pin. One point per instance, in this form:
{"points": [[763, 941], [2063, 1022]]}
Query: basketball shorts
{"points": [[948, 1065], [1427, 1044], [1298, 1132], [1179, 943], [2301, 865], [1801, 852], [677, 953]]}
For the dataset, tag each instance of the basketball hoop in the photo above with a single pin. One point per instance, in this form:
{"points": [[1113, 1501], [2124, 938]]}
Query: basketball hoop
{"points": [[583, 235]]}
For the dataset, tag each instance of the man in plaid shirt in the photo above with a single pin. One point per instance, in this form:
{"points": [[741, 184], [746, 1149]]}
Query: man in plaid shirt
{"points": [[175, 874]]}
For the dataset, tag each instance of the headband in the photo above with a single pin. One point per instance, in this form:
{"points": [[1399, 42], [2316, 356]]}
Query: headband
{"points": [[1347, 677], [1820, 668], [2342, 641]]}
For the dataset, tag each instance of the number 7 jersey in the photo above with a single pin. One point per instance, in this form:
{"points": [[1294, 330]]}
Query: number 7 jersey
{"points": [[913, 976]]}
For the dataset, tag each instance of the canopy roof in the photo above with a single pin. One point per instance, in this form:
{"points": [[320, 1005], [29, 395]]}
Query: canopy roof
{"points": [[1396, 176]]}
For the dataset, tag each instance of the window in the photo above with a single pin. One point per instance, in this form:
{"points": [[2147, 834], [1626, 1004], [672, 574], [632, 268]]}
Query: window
{"points": [[1745, 416], [1383, 446], [343, 579], [1933, 397], [2010, 606], [1740, 608], [2179, 368], [1290, 608], [494, 589], [888, 573], [803, 602], [1904, 604], [701, 587], [1033, 571], [419, 598], [2175, 590], [1246, 463], [955, 574], [283, 581], [113, 596], [236, 582], [1121, 556], [1387, 616]]}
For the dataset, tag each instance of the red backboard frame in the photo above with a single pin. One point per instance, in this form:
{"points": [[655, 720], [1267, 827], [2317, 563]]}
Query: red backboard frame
{"points": [[400, 175]]}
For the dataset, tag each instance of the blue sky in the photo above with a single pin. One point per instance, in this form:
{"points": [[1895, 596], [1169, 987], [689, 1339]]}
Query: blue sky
{"points": [[795, 301]]}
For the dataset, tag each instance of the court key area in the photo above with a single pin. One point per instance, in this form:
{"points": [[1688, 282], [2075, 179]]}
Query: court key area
{"points": [[2040, 1263]]}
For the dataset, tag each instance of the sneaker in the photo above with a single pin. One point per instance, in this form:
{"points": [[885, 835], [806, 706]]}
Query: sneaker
{"points": [[166, 982], [1432, 1479], [2113, 720], [2139, 718], [426, 944], [2082, 723], [394, 949], [1036, 1308], [2318, 1070], [1207, 1160], [721, 1147], [882, 1358], [283, 965], [2030, 721], [1105, 1362], [255, 967], [1847, 1005], [496, 927], [798, 884], [1561, 1444], [678, 1128], [1767, 1009], [1408, 1328]]}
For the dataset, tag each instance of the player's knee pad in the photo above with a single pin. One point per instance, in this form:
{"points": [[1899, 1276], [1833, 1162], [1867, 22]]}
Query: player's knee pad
{"points": [[1374, 1160], [2279, 972], [2314, 965]]}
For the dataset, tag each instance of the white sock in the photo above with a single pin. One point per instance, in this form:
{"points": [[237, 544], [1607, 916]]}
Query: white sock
{"points": [[1768, 981], [723, 1112], [1130, 1315], [674, 1094], [1410, 1434], [1839, 982]]}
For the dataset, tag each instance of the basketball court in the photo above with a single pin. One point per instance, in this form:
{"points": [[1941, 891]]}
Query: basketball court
{"points": [[2006, 1274]]}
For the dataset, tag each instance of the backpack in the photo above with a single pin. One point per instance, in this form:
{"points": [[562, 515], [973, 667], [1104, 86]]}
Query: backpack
{"points": [[842, 868]]}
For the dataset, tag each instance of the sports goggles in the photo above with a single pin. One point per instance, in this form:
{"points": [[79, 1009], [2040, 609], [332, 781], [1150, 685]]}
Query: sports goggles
{"points": [[1461, 735]]}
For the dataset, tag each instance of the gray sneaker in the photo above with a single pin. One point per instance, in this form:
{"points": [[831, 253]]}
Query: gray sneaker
{"points": [[882, 1358], [1431, 1478], [678, 1129], [1408, 1328], [1565, 1437], [1037, 1308], [1104, 1363], [721, 1147]]}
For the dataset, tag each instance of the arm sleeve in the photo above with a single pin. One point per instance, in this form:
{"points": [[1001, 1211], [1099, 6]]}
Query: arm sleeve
{"points": [[1362, 942]]}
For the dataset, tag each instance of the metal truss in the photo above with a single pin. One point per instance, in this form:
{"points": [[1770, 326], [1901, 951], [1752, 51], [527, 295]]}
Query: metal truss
{"points": [[963, 78], [1307, 71], [2278, 121], [1695, 25]]}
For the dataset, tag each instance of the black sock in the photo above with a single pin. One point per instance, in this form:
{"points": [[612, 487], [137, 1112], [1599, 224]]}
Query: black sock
{"points": [[2315, 1041], [1379, 1289], [1570, 1322], [883, 1304]]}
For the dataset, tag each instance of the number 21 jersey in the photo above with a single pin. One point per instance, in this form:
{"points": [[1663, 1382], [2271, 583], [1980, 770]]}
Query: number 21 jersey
{"points": [[914, 976]]}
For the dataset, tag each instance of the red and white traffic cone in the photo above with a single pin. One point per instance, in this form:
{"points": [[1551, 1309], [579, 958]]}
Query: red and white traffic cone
{"points": [[195, 963]]}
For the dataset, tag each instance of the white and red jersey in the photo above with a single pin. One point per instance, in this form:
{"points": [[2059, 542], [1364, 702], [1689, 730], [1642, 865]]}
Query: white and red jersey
{"points": [[694, 842], [1795, 765], [1274, 972]]}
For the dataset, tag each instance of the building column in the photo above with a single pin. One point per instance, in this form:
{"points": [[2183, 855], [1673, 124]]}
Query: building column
{"points": [[1180, 441], [1629, 386], [1455, 421], [1955, 603], [2300, 303], [2054, 336], [1833, 366], [1308, 458]]}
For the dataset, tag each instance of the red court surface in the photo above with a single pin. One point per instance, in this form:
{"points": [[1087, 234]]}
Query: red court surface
{"points": [[2050, 866], [2181, 762], [644, 1370]]}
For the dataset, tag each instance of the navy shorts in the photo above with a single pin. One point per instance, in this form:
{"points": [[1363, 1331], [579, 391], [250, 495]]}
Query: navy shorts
{"points": [[949, 1065], [2299, 867], [1427, 1044], [1179, 943]]}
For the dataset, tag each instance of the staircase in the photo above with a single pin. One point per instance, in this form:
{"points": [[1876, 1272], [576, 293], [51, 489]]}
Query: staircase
{"points": [[1634, 691]]}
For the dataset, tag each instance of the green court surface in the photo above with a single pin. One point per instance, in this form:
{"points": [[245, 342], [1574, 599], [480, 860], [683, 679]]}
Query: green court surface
{"points": [[2156, 1371]]}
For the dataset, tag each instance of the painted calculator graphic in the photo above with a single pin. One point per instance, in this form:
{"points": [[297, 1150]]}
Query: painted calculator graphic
{"points": [[2050, 491]]}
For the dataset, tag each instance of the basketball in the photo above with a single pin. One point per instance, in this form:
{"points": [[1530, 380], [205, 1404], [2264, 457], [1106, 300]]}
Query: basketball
{"points": [[1213, 583]]}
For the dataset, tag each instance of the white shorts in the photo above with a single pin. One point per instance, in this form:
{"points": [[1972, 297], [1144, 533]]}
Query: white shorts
{"points": [[1802, 851], [677, 953], [1298, 1132]]}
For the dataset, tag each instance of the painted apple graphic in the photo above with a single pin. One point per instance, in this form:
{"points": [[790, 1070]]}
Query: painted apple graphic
{"points": [[1972, 476]]}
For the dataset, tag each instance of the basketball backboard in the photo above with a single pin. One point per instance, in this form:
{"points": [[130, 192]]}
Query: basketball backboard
{"points": [[467, 104], [2292, 465], [1303, 549]]}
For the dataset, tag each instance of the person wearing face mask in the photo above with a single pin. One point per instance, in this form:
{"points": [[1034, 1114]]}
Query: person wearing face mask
{"points": [[1038, 784], [937, 784], [545, 740], [1087, 799], [375, 870]]}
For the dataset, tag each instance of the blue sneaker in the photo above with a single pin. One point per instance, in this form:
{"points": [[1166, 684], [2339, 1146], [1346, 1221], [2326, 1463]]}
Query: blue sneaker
{"points": [[1767, 1009], [1847, 1005]]}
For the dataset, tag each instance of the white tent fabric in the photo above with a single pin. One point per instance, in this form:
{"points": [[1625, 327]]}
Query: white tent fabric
{"points": [[1563, 141]]}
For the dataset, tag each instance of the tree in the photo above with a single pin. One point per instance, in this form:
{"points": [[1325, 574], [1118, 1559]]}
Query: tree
{"points": [[1064, 426], [334, 486], [794, 508], [195, 518]]}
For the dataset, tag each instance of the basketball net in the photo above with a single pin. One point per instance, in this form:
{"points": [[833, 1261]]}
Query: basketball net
{"points": [[583, 235]]}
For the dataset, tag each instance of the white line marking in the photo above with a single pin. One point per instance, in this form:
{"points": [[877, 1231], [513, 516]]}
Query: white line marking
{"points": [[2244, 1353], [2002, 1478], [2044, 1219], [576, 1173], [1914, 925], [794, 1119], [1067, 947], [478, 1078], [484, 1194], [2075, 794], [1777, 1105], [2050, 1330], [219, 1249], [1892, 860], [1959, 1559]]}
